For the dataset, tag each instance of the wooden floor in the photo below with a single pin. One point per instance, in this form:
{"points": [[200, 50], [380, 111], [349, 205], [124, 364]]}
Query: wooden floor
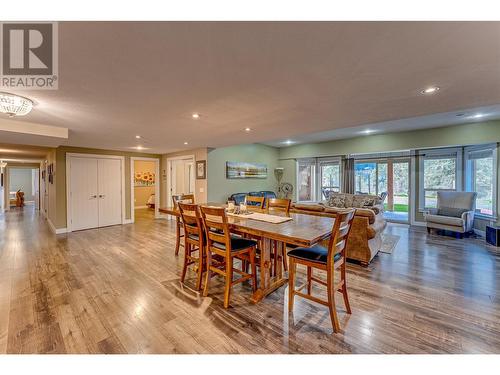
{"points": [[117, 290]]}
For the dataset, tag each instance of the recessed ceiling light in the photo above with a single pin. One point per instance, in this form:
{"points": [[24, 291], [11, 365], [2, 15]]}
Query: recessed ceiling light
{"points": [[248, 129], [288, 142], [139, 148], [368, 131], [185, 143], [195, 115], [430, 90], [138, 137]]}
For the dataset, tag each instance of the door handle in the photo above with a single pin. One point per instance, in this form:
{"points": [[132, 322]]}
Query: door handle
{"points": [[101, 195], [93, 197]]}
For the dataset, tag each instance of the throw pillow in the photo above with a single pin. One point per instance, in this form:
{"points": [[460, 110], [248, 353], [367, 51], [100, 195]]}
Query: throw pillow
{"points": [[349, 200], [361, 201], [451, 212], [336, 200]]}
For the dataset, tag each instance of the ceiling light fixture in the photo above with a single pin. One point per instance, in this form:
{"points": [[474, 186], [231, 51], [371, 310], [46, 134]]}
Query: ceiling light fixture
{"points": [[15, 105], [368, 131], [288, 142], [430, 90], [195, 115], [138, 137], [185, 143], [139, 148], [248, 129]]}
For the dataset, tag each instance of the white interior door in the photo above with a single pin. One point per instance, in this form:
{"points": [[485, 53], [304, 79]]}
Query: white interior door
{"points": [[182, 177], [109, 192], [83, 193]]}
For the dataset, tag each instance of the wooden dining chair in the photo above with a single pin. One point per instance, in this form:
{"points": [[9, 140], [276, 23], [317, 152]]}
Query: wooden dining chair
{"points": [[220, 242], [194, 240], [185, 198], [255, 202], [278, 205], [326, 259]]}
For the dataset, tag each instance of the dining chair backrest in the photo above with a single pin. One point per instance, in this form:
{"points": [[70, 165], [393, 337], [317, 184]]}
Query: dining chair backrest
{"points": [[278, 205], [191, 219], [184, 198], [216, 226], [340, 233], [254, 201]]}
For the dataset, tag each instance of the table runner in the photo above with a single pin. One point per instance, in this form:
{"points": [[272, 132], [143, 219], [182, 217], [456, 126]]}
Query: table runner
{"points": [[274, 219]]}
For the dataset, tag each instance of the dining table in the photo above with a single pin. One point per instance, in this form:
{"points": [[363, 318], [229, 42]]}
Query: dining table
{"points": [[300, 230]]}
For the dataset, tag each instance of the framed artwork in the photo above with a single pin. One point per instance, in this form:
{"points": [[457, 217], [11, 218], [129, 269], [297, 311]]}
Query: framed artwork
{"points": [[236, 169], [144, 179], [201, 169], [50, 173]]}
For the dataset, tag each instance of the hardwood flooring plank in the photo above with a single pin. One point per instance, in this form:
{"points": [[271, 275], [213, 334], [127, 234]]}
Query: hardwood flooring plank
{"points": [[117, 290]]}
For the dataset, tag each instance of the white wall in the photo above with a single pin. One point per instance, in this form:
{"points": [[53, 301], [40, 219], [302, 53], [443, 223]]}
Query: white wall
{"points": [[21, 178]]}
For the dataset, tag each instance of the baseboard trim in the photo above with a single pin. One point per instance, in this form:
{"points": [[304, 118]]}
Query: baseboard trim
{"points": [[128, 221], [419, 224], [56, 230]]}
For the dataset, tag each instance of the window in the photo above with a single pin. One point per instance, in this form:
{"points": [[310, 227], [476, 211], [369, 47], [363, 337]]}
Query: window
{"points": [[440, 170], [370, 177], [317, 177], [480, 175], [305, 180], [329, 178]]}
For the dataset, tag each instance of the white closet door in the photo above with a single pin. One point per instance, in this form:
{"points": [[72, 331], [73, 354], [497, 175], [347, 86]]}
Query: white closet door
{"points": [[110, 198], [83, 193]]}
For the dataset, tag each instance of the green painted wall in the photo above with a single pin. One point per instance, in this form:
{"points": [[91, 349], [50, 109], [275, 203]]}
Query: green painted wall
{"points": [[467, 134], [219, 187]]}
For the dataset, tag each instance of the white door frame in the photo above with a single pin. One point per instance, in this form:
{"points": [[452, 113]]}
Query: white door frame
{"points": [[69, 155], [168, 185], [157, 185]]}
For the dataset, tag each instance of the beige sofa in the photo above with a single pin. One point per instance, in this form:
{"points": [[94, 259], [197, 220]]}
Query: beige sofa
{"points": [[365, 238]]}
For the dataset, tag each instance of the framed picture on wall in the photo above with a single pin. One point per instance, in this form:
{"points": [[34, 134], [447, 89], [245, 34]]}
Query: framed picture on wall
{"points": [[201, 169], [245, 170]]}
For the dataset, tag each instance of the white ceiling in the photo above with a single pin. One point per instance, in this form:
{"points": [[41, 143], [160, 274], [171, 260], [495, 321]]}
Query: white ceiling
{"points": [[284, 80]]}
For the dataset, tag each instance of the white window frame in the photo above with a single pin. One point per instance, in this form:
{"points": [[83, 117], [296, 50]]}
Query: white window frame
{"points": [[468, 181], [317, 194], [311, 162], [319, 178], [438, 154]]}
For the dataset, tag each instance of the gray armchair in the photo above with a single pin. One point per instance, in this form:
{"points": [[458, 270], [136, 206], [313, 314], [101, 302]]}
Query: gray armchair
{"points": [[454, 212]]}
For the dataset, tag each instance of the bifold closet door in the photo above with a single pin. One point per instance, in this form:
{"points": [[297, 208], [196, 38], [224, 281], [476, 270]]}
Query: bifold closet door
{"points": [[83, 193], [109, 191]]}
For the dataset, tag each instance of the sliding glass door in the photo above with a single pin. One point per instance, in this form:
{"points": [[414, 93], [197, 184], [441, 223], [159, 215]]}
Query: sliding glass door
{"points": [[390, 177], [329, 176]]}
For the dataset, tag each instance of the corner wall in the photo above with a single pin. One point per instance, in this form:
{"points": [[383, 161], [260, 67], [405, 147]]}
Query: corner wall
{"points": [[200, 184]]}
